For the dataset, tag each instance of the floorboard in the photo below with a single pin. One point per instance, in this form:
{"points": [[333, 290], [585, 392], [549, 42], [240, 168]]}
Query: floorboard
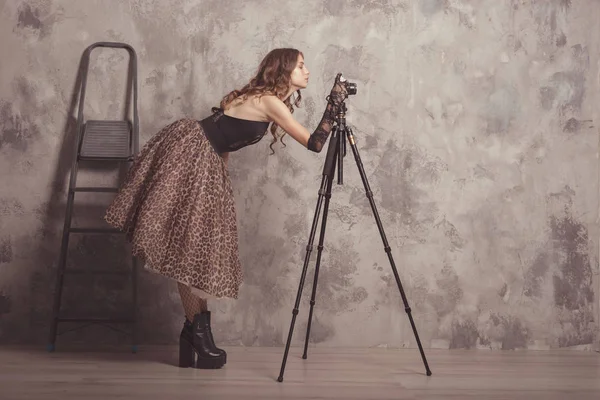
{"points": [[330, 373]]}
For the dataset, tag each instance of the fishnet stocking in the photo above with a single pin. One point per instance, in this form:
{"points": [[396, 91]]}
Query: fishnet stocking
{"points": [[192, 304]]}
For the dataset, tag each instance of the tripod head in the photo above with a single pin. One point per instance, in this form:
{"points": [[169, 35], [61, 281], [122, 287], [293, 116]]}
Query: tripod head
{"points": [[340, 116]]}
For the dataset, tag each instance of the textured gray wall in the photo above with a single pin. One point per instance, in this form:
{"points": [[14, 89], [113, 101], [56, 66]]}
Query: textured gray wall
{"points": [[476, 125]]}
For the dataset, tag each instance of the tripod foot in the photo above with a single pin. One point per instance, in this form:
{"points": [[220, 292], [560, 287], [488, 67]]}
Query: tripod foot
{"points": [[280, 379], [428, 372]]}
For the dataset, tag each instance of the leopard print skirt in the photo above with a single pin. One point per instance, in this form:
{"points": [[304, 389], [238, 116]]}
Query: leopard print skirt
{"points": [[177, 209]]}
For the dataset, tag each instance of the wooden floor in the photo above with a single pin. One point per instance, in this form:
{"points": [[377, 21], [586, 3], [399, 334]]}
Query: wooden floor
{"points": [[251, 373]]}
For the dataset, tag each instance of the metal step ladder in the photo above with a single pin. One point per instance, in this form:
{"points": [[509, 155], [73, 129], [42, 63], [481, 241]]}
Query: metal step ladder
{"points": [[105, 141]]}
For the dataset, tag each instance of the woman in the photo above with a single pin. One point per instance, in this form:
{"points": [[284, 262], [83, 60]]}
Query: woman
{"points": [[176, 204]]}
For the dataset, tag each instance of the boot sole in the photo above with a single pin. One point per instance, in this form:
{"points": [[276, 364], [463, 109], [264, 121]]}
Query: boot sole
{"points": [[210, 363]]}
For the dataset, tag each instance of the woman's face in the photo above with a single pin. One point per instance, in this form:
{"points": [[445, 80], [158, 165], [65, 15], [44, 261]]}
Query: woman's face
{"points": [[300, 74]]}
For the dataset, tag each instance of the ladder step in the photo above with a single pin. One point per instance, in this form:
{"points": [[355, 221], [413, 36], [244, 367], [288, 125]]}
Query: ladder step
{"points": [[95, 272], [93, 158], [97, 320], [106, 139], [96, 189], [95, 230]]}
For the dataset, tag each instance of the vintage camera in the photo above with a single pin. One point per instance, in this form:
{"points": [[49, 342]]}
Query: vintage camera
{"points": [[350, 86]]}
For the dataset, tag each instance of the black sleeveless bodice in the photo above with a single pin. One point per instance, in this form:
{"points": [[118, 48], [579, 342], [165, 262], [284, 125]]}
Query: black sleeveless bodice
{"points": [[227, 134]]}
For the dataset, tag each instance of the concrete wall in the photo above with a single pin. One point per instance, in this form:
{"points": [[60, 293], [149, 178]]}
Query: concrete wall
{"points": [[476, 124]]}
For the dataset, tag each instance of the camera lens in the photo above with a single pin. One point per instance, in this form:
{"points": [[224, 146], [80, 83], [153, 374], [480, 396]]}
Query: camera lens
{"points": [[351, 88]]}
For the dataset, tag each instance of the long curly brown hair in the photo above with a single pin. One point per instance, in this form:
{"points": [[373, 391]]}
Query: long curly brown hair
{"points": [[272, 78]]}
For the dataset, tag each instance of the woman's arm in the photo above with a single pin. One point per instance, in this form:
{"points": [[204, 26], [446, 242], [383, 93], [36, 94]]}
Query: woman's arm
{"points": [[278, 112]]}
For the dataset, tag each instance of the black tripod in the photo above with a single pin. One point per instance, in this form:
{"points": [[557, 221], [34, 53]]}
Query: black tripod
{"points": [[337, 149]]}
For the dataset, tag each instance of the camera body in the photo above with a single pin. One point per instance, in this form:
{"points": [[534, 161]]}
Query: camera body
{"points": [[349, 86]]}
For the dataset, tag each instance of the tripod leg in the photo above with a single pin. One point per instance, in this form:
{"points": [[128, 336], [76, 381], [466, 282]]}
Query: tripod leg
{"points": [[319, 252], [388, 250], [327, 176]]}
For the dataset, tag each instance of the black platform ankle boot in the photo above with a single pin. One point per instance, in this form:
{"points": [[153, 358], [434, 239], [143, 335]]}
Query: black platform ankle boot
{"points": [[187, 334], [212, 340], [208, 358]]}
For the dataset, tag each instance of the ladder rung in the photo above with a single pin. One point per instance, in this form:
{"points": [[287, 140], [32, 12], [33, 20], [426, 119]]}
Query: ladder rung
{"points": [[96, 189], [97, 320], [91, 158], [95, 272], [95, 230]]}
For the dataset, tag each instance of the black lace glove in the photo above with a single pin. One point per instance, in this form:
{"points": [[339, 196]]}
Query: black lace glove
{"points": [[337, 95]]}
